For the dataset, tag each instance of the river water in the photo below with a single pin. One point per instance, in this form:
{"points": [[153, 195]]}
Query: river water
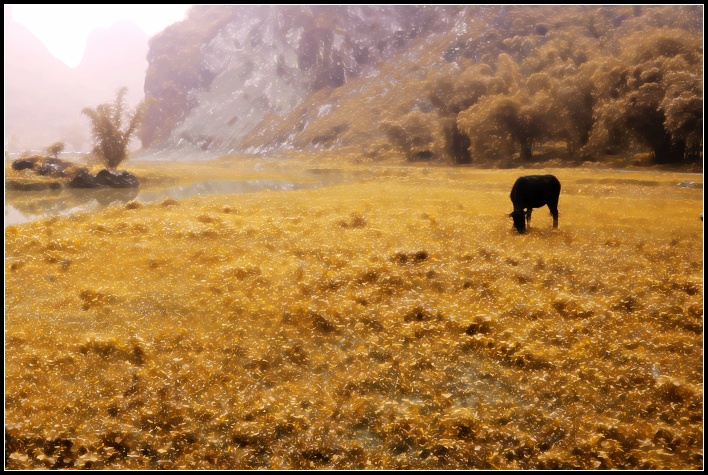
{"points": [[26, 206]]}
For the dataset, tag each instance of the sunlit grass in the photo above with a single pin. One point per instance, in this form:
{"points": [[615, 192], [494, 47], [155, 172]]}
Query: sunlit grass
{"points": [[395, 323]]}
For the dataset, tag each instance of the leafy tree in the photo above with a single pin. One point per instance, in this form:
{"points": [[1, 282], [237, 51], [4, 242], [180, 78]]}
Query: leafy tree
{"points": [[457, 144], [566, 62], [507, 121], [455, 89], [110, 136], [652, 94], [518, 118], [416, 135], [56, 148], [683, 107]]}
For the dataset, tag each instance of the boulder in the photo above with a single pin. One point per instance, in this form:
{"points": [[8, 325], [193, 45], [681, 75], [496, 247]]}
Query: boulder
{"points": [[117, 179], [51, 169], [24, 163], [84, 180]]}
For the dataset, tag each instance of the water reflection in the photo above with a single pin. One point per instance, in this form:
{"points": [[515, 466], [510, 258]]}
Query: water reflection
{"points": [[26, 206], [217, 187]]}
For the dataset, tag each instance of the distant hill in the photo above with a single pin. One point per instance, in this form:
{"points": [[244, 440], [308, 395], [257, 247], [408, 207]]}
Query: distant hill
{"points": [[115, 57], [44, 97]]}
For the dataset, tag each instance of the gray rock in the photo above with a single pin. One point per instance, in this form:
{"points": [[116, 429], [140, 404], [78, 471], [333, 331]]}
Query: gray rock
{"points": [[84, 180], [24, 163], [117, 179]]}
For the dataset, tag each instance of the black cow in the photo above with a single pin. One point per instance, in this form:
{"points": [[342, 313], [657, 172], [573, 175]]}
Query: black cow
{"points": [[534, 191]]}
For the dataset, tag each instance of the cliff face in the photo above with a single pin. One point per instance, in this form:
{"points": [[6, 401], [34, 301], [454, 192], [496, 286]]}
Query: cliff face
{"points": [[227, 71]]}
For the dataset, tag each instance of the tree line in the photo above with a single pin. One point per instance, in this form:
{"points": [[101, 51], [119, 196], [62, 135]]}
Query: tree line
{"points": [[608, 92]]}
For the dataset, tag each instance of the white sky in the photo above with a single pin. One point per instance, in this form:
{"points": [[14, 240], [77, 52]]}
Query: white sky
{"points": [[64, 28]]}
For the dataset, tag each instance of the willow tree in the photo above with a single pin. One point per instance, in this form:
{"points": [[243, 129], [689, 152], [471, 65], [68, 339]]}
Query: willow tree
{"points": [[112, 127], [683, 108]]}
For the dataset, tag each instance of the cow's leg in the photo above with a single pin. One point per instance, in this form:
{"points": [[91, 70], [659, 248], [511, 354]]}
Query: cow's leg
{"points": [[554, 213], [528, 216]]}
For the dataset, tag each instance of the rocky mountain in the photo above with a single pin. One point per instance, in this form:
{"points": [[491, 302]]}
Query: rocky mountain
{"points": [[223, 72], [44, 97], [452, 83]]}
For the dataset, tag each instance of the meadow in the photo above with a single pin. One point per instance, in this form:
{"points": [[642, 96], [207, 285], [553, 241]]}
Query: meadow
{"points": [[395, 322]]}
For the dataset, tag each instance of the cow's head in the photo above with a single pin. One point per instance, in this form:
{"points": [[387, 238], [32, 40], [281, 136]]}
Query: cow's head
{"points": [[519, 217]]}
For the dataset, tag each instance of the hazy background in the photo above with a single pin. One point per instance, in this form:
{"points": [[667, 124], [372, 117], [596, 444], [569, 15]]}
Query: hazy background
{"points": [[62, 58]]}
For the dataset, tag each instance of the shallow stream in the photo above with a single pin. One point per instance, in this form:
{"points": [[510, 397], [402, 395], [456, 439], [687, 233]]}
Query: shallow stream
{"points": [[26, 206]]}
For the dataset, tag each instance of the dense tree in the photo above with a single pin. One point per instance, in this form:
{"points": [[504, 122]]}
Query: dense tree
{"points": [[683, 108], [650, 93], [513, 120], [113, 126], [456, 144], [417, 135], [457, 87], [567, 61]]}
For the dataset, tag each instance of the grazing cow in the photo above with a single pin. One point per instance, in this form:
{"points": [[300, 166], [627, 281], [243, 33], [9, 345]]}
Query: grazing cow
{"points": [[534, 191]]}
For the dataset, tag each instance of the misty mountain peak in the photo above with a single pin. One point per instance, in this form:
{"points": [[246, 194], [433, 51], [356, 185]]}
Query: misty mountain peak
{"points": [[44, 97]]}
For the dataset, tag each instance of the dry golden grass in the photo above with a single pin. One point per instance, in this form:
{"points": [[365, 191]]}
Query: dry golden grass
{"points": [[395, 323]]}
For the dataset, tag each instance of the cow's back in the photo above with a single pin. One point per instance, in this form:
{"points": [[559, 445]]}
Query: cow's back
{"points": [[534, 191]]}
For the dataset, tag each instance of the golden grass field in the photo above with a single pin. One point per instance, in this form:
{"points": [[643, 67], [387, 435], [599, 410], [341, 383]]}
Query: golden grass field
{"points": [[396, 322]]}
